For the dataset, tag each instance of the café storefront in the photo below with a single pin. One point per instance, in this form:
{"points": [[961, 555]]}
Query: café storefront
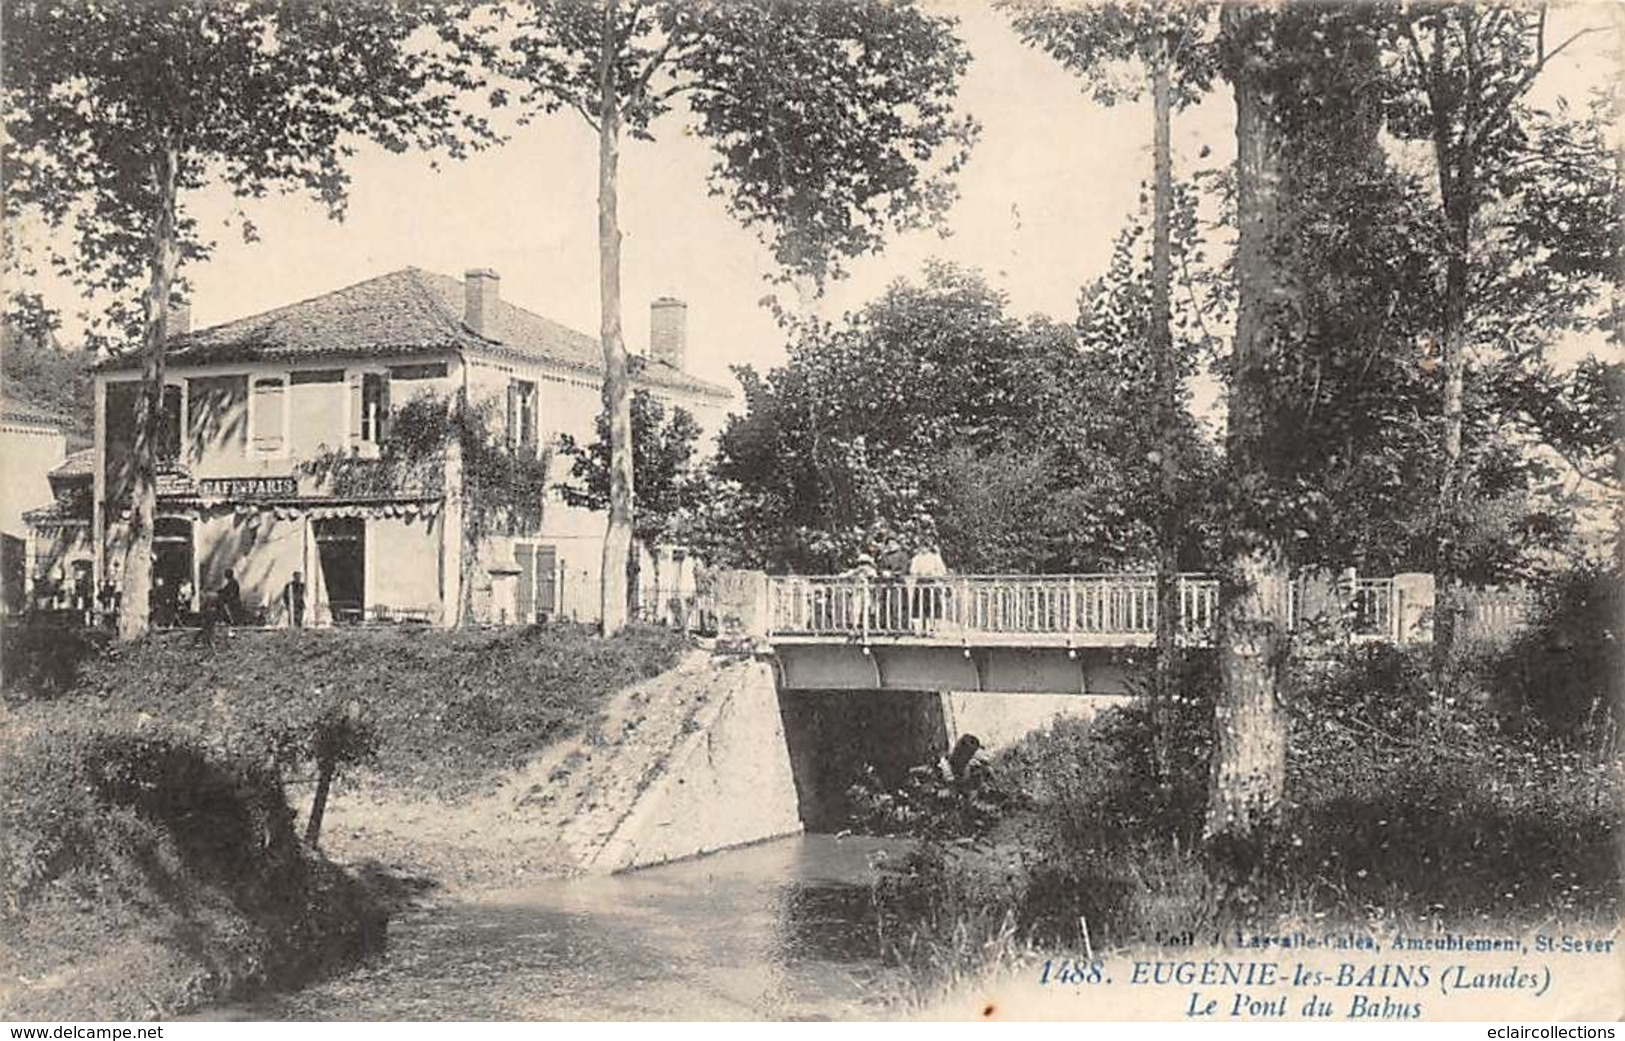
{"points": [[359, 558]]}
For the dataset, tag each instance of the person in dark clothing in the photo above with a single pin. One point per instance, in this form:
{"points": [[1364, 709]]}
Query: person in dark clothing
{"points": [[84, 601], [108, 600], [230, 600], [293, 598]]}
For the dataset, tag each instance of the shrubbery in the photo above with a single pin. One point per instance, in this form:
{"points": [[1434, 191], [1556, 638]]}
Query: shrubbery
{"points": [[162, 874], [1565, 676], [1400, 810], [148, 856], [39, 661]]}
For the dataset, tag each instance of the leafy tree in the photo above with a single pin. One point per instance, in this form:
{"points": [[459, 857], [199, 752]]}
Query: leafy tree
{"points": [[842, 440], [1307, 119], [1167, 40], [1460, 75], [932, 415], [832, 122], [447, 445], [43, 372], [662, 466], [115, 110]]}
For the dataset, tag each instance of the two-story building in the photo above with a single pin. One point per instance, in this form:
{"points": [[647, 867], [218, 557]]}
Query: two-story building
{"points": [[251, 402], [33, 443]]}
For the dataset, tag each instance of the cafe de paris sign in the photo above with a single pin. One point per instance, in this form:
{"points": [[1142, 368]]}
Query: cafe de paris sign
{"points": [[247, 487]]}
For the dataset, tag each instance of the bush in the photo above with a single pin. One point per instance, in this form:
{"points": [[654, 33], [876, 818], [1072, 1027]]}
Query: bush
{"points": [[166, 875], [1563, 677], [1397, 809], [39, 661], [1400, 805]]}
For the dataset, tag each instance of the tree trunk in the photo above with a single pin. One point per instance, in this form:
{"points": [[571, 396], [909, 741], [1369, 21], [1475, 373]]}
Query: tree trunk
{"points": [[1618, 299], [1447, 599], [1458, 174], [617, 399], [463, 503], [134, 607], [1248, 773], [1166, 382], [326, 767]]}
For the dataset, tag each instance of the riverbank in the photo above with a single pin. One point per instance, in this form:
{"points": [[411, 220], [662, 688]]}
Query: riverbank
{"points": [[1401, 817], [560, 812], [145, 875], [153, 862]]}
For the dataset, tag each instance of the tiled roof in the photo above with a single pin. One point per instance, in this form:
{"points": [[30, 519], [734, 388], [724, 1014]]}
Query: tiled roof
{"points": [[57, 513], [410, 311], [78, 464], [16, 410]]}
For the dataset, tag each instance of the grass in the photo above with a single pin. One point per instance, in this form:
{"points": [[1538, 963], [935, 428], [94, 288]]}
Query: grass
{"points": [[450, 711]]}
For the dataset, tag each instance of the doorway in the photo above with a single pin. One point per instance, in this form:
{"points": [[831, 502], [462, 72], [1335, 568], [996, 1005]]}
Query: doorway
{"points": [[341, 546], [173, 595]]}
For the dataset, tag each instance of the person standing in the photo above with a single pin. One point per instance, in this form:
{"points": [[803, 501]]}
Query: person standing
{"points": [[860, 595], [926, 598], [230, 599], [293, 599]]}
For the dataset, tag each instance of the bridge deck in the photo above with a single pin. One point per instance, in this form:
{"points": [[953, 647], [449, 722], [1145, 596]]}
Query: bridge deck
{"points": [[1067, 611]]}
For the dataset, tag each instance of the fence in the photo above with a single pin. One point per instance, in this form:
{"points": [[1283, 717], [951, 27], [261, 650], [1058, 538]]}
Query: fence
{"points": [[1491, 616]]}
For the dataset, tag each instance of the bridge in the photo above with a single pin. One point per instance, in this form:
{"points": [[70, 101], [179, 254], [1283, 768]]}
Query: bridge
{"points": [[1084, 610], [1046, 633]]}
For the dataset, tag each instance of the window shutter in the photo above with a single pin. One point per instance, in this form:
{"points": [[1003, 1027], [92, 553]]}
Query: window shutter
{"points": [[513, 413], [383, 407], [269, 403], [355, 407]]}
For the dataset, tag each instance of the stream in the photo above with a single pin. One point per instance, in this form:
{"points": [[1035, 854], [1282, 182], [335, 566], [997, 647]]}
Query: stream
{"points": [[782, 930]]}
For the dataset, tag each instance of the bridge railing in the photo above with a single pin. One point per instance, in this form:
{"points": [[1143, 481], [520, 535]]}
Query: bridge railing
{"points": [[1113, 608], [1089, 605]]}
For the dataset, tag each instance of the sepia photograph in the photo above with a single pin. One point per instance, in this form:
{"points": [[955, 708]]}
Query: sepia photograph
{"points": [[833, 510]]}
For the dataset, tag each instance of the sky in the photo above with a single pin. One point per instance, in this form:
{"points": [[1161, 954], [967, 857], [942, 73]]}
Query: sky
{"points": [[1052, 179]]}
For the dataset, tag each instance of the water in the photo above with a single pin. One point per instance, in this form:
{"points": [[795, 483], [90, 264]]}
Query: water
{"points": [[784, 930]]}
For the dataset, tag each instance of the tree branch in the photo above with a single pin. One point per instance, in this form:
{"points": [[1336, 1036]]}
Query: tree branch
{"points": [[653, 66], [584, 111], [1503, 104]]}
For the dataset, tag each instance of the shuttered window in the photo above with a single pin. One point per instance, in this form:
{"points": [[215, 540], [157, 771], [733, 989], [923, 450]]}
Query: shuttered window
{"points": [[269, 418], [522, 413], [369, 407]]}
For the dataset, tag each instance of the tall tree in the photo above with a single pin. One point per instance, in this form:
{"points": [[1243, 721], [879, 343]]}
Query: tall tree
{"points": [[1307, 112], [116, 109], [1167, 40], [1249, 754], [663, 467], [1462, 73], [833, 123]]}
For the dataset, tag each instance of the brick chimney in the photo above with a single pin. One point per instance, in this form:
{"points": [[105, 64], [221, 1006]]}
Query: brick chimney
{"points": [[178, 322], [668, 331], [482, 288]]}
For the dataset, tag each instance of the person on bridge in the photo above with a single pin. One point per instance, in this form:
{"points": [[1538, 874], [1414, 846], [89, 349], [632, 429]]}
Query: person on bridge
{"points": [[863, 574], [926, 598]]}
